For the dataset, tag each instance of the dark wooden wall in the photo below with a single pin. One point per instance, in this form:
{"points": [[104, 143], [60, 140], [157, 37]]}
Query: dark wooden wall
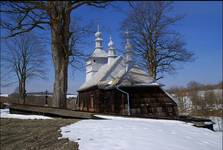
{"points": [[151, 102], [144, 102]]}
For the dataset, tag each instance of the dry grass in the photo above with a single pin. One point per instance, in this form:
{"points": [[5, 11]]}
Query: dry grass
{"points": [[19, 134]]}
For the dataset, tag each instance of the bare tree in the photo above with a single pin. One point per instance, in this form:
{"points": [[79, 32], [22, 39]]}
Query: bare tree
{"points": [[24, 57], [56, 14], [157, 47], [78, 42]]}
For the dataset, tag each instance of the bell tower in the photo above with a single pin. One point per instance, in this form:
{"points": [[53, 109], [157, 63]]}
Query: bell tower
{"points": [[98, 58], [111, 51], [128, 52]]}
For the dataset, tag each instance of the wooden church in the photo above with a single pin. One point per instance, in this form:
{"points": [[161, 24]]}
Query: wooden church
{"points": [[114, 85]]}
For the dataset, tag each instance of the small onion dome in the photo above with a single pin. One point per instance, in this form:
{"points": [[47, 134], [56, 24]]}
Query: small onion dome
{"points": [[111, 43], [98, 34]]}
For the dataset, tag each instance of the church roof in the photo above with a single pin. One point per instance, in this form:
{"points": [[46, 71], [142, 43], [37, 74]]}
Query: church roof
{"points": [[99, 53], [115, 73], [99, 75]]}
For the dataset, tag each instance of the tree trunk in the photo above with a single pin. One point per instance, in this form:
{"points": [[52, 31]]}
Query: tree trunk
{"points": [[152, 68], [22, 89], [61, 69], [60, 83], [20, 92], [60, 34], [152, 71]]}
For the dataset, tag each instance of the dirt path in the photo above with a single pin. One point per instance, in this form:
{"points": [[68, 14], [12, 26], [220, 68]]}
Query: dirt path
{"points": [[17, 134]]}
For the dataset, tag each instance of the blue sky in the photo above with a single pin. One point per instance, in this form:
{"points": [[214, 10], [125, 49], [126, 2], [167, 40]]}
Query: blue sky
{"points": [[201, 29]]}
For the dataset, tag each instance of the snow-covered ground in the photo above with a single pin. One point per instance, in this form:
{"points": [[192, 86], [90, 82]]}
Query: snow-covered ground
{"points": [[120, 133], [4, 113]]}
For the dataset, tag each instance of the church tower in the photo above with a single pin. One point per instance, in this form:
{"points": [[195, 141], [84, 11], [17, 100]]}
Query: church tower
{"points": [[98, 58], [111, 51], [128, 52]]}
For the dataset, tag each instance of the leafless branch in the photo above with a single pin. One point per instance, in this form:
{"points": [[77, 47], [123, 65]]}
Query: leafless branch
{"points": [[24, 56], [156, 45]]}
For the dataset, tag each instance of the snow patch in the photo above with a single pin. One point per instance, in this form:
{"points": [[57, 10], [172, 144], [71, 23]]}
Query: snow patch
{"points": [[218, 126], [120, 133], [4, 113], [4, 95]]}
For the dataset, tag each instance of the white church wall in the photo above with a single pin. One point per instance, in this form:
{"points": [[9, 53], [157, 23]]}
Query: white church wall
{"points": [[93, 65]]}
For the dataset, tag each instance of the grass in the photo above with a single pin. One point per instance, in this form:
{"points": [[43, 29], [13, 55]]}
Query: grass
{"points": [[17, 134]]}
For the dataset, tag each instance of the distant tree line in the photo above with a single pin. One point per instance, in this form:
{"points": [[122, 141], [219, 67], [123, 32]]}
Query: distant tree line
{"points": [[193, 85], [199, 99]]}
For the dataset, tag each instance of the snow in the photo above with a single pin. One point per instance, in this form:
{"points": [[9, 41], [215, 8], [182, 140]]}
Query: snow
{"points": [[119, 133], [218, 126], [4, 95], [217, 92], [6, 114], [71, 96], [170, 96]]}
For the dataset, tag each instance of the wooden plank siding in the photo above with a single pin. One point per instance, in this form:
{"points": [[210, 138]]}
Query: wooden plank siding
{"points": [[144, 102]]}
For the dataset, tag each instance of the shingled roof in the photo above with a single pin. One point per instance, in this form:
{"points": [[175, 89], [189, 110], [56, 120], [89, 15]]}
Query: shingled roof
{"points": [[99, 53], [116, 73]]}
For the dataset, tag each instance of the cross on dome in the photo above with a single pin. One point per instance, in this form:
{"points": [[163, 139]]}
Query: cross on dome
{"points": [[98, 40], [98, 33], [111, 43]]}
